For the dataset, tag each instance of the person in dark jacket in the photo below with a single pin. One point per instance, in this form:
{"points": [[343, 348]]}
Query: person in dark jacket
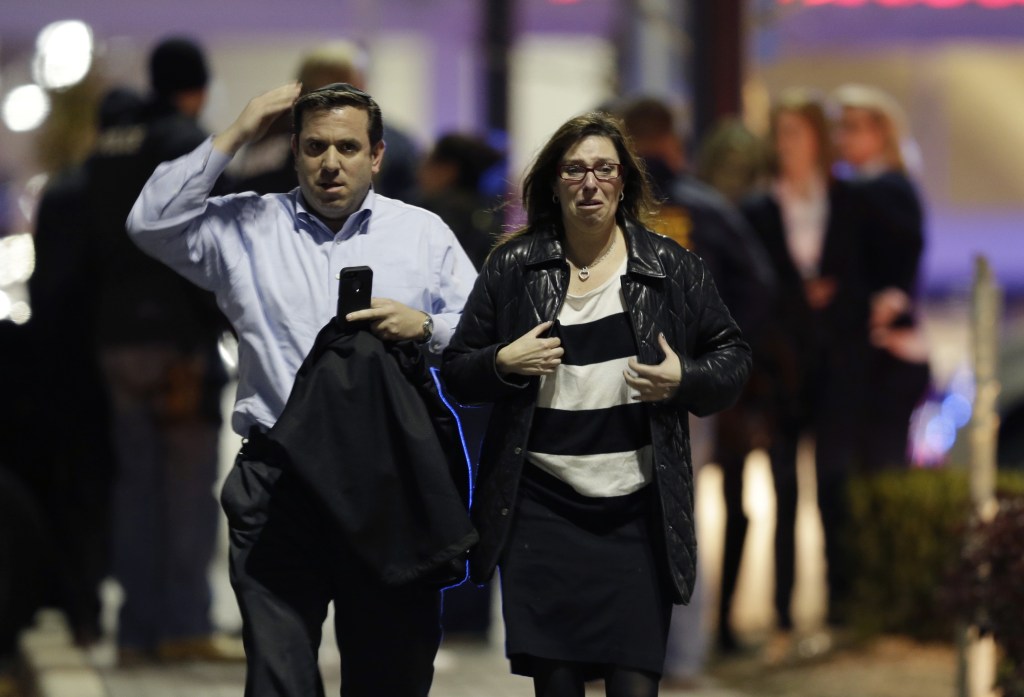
{"points": [[63, 291], [594, 338], [449, 185], [809, 225], [893, 236], [157, 338], [702, 220]]}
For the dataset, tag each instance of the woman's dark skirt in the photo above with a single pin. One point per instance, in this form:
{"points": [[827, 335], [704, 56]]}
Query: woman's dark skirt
{"points": [[580, 580]]}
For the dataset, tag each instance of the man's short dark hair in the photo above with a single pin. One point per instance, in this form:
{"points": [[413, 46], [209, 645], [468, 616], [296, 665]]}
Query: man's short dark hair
{"points": [[647, 117], [177, 65], [339, 94]]}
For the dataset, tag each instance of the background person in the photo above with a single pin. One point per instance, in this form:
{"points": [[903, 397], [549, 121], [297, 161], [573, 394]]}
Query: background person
{"points": [[81, 465], [594, 338], [809, 223], [868, 139], [449, 185], [702, 220], [273, 262], [157, 336]]}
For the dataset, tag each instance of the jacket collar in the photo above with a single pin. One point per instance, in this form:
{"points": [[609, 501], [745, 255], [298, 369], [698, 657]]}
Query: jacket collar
{"points": [[545, 245]]}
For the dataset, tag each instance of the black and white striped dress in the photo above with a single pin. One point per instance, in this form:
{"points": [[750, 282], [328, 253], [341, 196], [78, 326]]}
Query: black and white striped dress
{"points": [[580, 579]]}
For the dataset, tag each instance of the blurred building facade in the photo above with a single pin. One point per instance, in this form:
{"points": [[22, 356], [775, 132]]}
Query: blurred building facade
{"points": [[524, 66], [954, 66]]}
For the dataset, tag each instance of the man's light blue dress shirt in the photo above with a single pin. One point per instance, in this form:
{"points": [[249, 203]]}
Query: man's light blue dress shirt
{"points": [[274, 266]]}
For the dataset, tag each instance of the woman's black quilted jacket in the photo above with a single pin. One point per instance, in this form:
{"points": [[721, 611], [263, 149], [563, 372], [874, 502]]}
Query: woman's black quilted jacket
{"points": [[666, 289]]}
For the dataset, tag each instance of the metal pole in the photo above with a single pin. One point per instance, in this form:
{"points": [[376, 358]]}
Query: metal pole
{"points": [[497, 39], [717, 65], [987, 302], [977, 664]]}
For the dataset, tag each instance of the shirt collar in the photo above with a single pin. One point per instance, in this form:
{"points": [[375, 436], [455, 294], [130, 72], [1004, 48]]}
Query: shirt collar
{"points": [[356, 223]]}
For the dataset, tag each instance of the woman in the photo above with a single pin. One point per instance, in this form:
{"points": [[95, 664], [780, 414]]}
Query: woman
{"points": [[868, 140], [593, 337], [809, 225]]}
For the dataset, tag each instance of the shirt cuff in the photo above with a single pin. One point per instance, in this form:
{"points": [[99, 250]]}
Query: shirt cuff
{"points": [[441, 335], [213, 159]]}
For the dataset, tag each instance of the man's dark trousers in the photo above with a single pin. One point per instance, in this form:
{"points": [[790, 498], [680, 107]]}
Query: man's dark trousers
{"points": [[287, 563]]}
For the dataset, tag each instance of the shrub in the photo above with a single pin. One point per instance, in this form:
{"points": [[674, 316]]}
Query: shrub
{"points": [[905, 536], [986, 588]]}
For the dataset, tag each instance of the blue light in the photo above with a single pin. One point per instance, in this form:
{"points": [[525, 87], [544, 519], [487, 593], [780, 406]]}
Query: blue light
{"points": [[957, 409], [434, 374], [940, 434]]}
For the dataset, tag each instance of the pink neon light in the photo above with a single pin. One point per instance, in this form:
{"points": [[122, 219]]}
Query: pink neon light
{"points": [[938, 4]]}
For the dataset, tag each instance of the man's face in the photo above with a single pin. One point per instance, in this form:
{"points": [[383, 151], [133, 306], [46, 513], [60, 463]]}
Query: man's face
{"points": [[335, 162]]}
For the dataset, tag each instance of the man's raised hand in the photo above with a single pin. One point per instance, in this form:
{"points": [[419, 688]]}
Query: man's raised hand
{"points": [[256, 118]]}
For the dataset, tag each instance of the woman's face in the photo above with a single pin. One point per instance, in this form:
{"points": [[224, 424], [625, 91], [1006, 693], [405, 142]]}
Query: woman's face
{"points": [[591, 202], [795, 144], [859, 138]]}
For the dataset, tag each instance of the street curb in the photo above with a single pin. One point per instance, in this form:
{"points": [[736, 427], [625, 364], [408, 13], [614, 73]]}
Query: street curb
{"points": [[54, 665]]}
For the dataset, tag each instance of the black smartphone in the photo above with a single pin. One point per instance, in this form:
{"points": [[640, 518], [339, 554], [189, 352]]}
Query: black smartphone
{"points": [[355, 286]]}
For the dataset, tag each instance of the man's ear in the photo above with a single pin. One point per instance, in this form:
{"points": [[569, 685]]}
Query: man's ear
{"points": [[377, 155], [295, 151]]}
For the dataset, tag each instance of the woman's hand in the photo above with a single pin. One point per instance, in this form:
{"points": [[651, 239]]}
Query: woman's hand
{"points": [[530, 354], [656, 383]]}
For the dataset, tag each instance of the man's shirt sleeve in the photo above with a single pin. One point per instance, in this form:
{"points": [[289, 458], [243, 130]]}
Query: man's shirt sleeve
{"points": [[175, 220], [456, 275]]}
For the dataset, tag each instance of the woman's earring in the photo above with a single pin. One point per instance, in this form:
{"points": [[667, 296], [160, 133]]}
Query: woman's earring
{"points": [[554, 198], [622, 195]]}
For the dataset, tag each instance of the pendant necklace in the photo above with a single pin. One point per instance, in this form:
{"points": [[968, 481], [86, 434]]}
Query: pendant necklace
{"points": [[584, 271]]}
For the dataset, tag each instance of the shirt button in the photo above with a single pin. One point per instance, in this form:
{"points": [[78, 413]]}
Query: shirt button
{"points": [[518, 451], [504, 511]]}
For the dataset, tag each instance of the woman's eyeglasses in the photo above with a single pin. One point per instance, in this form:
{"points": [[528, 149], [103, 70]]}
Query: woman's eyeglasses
{"points": [[607, 171]]}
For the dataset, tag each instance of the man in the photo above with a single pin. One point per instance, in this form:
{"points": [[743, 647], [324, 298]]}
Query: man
{"points": [[273, 263], [701, 219], [157, 336]]}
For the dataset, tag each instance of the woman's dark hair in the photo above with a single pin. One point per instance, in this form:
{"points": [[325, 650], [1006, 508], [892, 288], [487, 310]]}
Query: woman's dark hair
{"points": [[337, 95], [541, 209]]}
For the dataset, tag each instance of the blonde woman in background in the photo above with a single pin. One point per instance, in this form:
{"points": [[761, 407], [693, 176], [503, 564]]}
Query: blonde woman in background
{"points": [[869, 137]]}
